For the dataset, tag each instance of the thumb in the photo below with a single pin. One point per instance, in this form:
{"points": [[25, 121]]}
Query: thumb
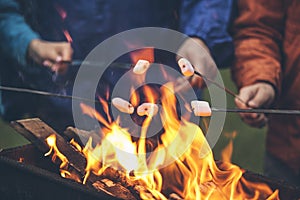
{"points": [[245, 94], [260, 99]]}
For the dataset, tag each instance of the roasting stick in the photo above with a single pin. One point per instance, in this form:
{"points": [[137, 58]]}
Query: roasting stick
{"points": [[235, 110], [43, 93], [264, 111], [202, 108], [188, 70]]}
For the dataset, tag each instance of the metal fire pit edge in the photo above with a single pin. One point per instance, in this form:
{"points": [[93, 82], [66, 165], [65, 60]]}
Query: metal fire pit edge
{"points": [[36, 178]]}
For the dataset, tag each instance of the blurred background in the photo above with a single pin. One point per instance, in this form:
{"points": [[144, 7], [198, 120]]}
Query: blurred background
{"points": [[248, 145]]}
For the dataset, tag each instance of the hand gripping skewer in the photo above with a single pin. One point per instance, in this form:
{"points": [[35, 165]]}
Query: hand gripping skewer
{"points": [[188, 70]]}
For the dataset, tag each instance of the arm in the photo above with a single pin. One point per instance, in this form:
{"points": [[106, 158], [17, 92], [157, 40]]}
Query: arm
{"points": [[209, 20], [20, 43], [15, 34], [206, 22], [257, 68]]}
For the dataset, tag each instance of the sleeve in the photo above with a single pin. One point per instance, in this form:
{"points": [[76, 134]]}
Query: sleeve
{"points": [[15, 33], [258, 32], [209, 20]]}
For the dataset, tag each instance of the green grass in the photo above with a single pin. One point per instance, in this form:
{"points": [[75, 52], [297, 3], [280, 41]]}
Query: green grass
{"points": [[249, 144], [248, 147], [10, 138]]}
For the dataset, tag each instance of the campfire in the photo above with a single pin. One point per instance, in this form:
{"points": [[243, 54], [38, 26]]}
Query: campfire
{"points": [[176, 163], [159, 167]]}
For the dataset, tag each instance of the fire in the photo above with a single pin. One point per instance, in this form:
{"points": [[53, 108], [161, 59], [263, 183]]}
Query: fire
{"points": [[51, 141], [227, 151], [179, 161]]}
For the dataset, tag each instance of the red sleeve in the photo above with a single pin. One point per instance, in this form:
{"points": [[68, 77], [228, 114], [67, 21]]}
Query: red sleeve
{"points": [[257, 38]]}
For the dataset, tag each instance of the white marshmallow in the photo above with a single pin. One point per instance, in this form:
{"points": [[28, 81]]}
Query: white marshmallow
{"points": [[123, 105], [186, 67], [141, 66], [149, 109], [201, 108]]}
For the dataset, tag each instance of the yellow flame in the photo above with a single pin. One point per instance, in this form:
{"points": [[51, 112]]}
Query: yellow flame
{"points": [[51, 141], [181, 163]]}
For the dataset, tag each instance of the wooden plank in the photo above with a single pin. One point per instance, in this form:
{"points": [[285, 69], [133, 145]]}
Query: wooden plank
{"points": [[36, 131]]}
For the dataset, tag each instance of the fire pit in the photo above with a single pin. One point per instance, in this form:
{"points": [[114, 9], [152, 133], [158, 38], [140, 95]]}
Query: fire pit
{"points": [[119, 163], [27, 174]]}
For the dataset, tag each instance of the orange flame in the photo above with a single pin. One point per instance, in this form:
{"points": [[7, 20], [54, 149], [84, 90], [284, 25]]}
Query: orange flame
{"points": [[51, 141], [182, 161], [226, 153], [142, 54]]}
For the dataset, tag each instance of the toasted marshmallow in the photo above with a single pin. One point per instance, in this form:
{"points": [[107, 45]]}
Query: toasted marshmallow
{"points": [[141, 66], [201, 108], [185, 67], [123, 105], [149, 109]]}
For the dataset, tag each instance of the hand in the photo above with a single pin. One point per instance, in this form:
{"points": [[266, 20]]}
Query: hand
{"points": [[50, 54], [198, 54], [256, 96]]}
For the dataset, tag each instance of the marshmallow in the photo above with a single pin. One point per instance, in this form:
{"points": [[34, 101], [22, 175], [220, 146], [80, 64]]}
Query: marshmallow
{"points": [[141, 66], [122, 105], [201, 108], [186, 67], [149, 109]]}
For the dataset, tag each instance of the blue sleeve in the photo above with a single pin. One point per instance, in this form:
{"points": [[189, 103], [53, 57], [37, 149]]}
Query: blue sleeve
{"points": [[210, 21], [15, 33]]}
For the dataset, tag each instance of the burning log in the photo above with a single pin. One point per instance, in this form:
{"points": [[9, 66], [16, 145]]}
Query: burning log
{"points": [[112, 181]]}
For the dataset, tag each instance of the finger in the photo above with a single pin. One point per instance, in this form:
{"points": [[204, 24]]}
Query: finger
{"points": [[59, 68], [197, 82], [66, 52], [259, 100], [240, 103], [258, 122], [245, 95], [249, 115]]}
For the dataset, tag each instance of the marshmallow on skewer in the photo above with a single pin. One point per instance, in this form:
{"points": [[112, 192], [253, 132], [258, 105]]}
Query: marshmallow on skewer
{"points": [[185, 67], [123, 105], [149, 109], [201, 108], [141, 66]]}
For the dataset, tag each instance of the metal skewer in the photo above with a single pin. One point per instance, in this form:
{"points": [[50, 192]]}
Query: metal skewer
{"points": [[256, 110], [38, 92], [235, 110], [222, 88]]}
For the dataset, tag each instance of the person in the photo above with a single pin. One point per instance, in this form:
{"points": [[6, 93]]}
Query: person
{"points": [[266, 71], [38, 35]]}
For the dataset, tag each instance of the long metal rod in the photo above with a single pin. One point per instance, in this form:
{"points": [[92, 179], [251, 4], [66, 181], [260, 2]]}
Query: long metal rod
{"points": [[264, 111], [235, 110], [38, 92], [222, 88]]}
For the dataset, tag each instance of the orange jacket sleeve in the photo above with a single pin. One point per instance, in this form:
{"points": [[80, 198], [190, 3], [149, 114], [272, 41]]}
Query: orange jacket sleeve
{"points": [[258, 32]]}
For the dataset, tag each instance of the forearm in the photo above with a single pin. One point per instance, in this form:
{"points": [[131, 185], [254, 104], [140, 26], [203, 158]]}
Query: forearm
{"points": [[257, 39], [209, 20], [14, 32]]}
